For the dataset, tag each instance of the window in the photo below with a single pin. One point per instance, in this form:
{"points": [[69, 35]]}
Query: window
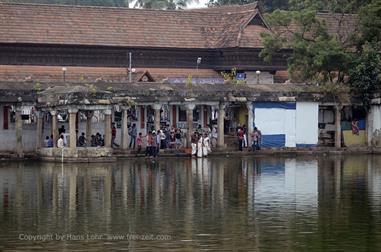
{"points": [[182, 115], [6, 117]]}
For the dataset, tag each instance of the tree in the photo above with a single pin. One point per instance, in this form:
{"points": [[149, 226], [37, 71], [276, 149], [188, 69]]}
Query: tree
{"points": [[268, 5], [322, 57], [316, 55], [365, 74]]}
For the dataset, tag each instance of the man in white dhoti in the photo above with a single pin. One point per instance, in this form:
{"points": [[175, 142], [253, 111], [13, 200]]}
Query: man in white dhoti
{"points": [[206, 145], [194, 139], [200, 143]]}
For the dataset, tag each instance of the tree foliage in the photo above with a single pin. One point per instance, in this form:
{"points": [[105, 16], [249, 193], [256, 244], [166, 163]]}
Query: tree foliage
{"points": [[163, 4], [323, 57], [316, 55], [267, 5], [365, 73]]}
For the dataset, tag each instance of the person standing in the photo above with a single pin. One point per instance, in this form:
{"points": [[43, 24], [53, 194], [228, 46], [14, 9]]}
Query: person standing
{"points": [[200, 144], [113, 136], [254, 139], [244, 136], [240, 138], [178, 139], [162, 140], [158, 141], [206, 145], [154, 144], [149, 144], [60, 142], [61, 130], [194, 139], [133, 133]]}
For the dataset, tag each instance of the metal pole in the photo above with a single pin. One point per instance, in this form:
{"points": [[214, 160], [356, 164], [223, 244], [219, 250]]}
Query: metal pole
{"points": [[130, 67]]}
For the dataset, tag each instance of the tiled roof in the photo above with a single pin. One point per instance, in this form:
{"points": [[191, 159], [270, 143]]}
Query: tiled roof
{"points": [[108, 26], [339, 25], [208, 28], [92, 74]]}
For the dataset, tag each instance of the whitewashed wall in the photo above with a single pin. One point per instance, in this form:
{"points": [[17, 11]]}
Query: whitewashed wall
{"points": [[307, 122], [374, 125], [273, 121]]}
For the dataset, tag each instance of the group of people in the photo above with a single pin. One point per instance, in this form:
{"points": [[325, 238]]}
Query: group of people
{"points": [[256, 138], [95, 140], [201, 145], [160, 139], [202, 140]]}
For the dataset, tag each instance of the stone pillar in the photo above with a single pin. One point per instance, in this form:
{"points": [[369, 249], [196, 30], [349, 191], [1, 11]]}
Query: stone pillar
{"points": [[73, 134], [53, 113], [189, 109], [39, 135], [157, 108], [89, 117], [250, 122], [19, 146], [338, 126], [107, 128], [221, 126], [124, 144]]}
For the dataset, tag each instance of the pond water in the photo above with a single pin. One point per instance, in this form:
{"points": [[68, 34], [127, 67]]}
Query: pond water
{"points": [[247, 204]]}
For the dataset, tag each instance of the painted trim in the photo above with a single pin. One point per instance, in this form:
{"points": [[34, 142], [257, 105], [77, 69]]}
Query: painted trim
{"points": [[274, 141], [272, 105]]}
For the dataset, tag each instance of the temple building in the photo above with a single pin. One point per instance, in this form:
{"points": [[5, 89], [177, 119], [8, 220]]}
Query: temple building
{"points": [[88, 68]]}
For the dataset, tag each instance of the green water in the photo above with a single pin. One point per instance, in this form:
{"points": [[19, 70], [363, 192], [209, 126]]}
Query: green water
{"points": [[218, 204]]}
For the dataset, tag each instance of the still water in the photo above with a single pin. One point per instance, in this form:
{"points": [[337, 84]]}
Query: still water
{"points": [[248, 204]]}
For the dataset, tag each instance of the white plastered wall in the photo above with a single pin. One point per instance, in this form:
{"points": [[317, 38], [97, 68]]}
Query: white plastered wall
{"points": [[273, 121], [374, 125], [307, 123]]}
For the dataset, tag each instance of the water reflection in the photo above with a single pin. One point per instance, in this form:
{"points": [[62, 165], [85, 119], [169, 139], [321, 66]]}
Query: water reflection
{"points": [[250, 203]]}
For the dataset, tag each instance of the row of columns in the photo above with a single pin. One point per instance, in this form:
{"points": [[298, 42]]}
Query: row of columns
{"points": [[124, 131], [124, 141], [107, 126], [72, 127]]}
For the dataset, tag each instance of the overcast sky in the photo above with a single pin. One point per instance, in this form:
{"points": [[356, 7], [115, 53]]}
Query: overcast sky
{"points": [[200, 4]]}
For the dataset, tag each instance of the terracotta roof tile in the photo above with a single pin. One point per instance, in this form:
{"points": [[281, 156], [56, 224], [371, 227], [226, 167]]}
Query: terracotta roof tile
{"points": [[107, 26], [91, 74]]}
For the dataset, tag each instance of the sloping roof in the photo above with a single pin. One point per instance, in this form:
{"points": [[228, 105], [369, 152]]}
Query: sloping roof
{"points": [[93, 74], [109, 26], [341, 26]]}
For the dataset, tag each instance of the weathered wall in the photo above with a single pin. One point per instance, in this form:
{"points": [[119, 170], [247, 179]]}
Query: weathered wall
{"points": [[8, 136]]}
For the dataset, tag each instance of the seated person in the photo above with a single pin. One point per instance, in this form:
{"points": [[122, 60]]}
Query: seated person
{"points": [[82, 140]]}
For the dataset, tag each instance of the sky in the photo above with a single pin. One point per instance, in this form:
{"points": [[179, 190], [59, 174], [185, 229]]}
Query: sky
{"points": [[200, 4]]}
